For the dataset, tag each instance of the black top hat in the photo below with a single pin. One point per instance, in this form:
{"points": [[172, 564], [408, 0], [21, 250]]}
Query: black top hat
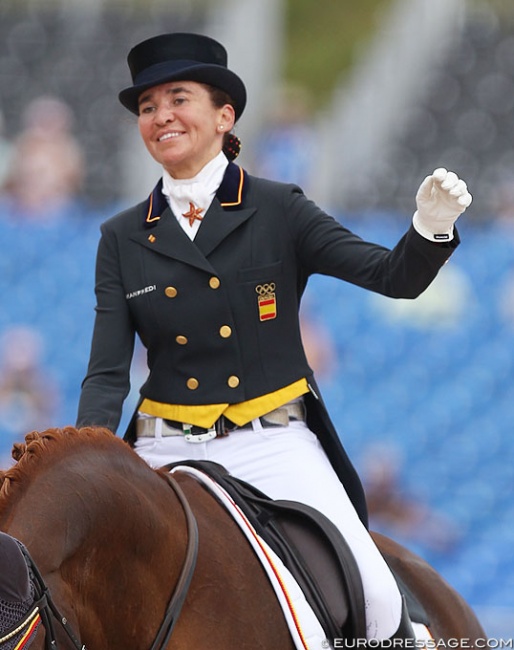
{"points": [[179, 56]]}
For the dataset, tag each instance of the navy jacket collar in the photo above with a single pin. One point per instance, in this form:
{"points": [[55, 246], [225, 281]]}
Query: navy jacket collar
{"points": [[231, 194]]}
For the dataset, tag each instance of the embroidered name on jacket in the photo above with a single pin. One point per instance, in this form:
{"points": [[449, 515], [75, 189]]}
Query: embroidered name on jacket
{"points": [[141, 292]]}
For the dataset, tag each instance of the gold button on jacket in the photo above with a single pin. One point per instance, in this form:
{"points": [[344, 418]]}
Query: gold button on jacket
{"points": [[225, 331]]}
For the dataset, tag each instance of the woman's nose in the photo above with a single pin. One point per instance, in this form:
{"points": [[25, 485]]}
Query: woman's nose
{"points": [[164, 113]]}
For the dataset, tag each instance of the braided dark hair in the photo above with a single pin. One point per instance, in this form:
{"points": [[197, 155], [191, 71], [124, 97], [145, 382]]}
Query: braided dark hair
{"points": [[231, 146]]}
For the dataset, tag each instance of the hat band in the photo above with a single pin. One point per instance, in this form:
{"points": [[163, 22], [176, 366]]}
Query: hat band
{"points": [[156, 72]]}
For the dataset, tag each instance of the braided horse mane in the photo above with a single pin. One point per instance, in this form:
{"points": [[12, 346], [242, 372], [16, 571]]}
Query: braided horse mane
{"points": [[50, 444]]}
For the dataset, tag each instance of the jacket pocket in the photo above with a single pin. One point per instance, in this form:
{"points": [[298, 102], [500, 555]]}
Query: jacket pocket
{"points": [[268, 273]]}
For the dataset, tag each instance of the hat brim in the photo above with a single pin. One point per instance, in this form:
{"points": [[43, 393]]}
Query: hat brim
{"points": [[213, 75]]}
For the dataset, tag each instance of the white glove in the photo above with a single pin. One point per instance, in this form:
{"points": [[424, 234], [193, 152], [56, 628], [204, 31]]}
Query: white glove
{"points": [[442, 197]]}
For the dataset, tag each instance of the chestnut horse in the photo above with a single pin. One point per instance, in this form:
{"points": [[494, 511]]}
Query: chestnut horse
{"points": [[111, 538]]}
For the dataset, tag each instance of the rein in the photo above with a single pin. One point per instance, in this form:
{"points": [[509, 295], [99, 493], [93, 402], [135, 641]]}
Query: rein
{"points": [[188, 568], [44, 609]]}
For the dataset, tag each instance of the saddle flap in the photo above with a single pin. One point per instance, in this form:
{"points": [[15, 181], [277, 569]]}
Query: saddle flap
{"points": [[318, 556], [311, 548]]}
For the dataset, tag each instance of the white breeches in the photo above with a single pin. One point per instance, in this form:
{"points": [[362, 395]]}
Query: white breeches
{"points": [[289, 463]]}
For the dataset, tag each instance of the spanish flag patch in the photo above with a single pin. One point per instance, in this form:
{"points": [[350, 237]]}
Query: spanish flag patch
{"points": [[267, 301]]}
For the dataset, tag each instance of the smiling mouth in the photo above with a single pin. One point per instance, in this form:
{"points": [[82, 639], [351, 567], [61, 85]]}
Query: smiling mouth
{"points": [[169, 136]]}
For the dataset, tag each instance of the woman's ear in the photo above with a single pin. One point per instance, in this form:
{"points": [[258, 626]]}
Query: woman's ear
{"points": [[227, 118]]}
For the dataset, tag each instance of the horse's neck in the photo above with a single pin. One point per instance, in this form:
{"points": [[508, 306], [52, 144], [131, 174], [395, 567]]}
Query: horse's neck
{"points": [[66, 514]]}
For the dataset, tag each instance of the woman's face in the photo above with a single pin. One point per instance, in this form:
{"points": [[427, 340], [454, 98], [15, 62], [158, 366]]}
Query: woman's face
{"points": [[181, 127]]}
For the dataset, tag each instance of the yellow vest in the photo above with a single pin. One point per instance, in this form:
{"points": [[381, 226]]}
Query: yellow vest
{"points": [[205, 415]]}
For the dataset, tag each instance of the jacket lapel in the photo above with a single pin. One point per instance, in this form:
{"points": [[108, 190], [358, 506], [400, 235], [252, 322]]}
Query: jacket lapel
{"points": [[227, 211], [217, 225], [162, 233]]}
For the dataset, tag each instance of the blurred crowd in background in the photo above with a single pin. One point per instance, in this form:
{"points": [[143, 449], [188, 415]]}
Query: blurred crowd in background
{"points": [[423, 393]]}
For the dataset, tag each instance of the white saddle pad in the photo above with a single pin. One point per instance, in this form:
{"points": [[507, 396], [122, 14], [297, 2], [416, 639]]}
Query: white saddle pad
{"points": [[303, 624]]}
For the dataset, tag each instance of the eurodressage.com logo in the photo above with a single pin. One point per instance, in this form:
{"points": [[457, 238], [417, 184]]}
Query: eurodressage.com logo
{"points": [[420, 644]]}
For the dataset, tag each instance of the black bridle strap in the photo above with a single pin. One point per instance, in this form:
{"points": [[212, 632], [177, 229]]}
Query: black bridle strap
{"points": [[188, 568], [47, 606]]}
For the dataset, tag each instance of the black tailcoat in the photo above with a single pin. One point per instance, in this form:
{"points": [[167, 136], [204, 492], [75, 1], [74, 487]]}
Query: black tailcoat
{"points": [[195, 304]]}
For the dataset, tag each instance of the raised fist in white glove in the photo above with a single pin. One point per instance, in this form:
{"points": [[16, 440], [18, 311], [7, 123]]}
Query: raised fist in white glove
{"points": [[442, 197]]}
